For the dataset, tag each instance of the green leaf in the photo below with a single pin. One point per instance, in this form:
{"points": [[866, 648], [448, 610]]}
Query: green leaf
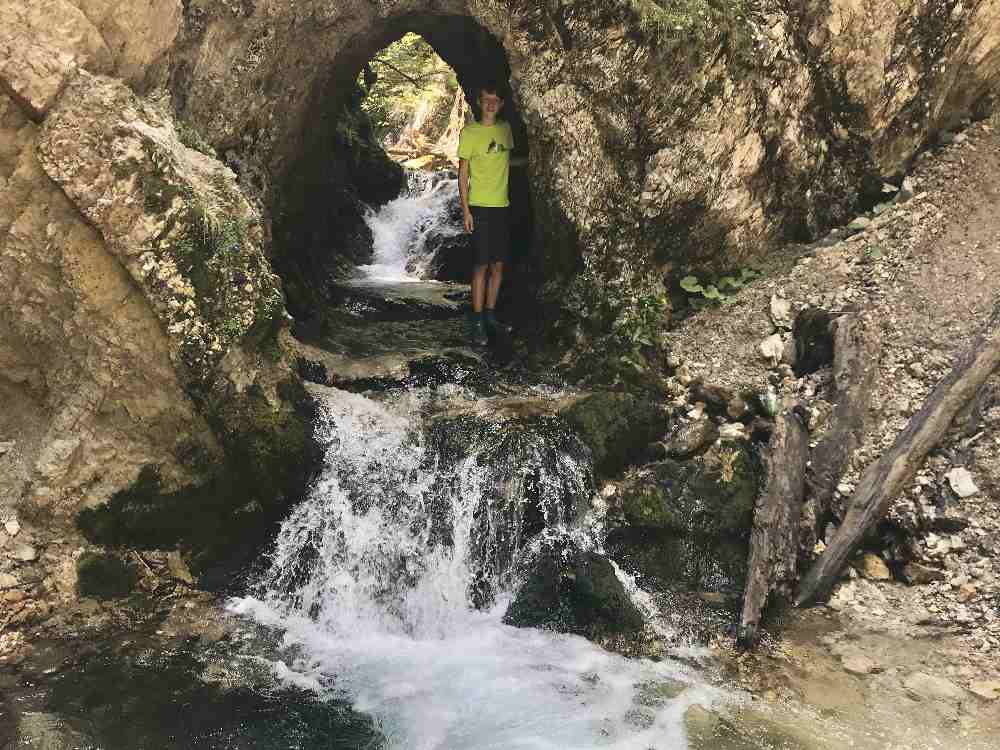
{"points": [[731, 282], [690, 284], [712, 292]]}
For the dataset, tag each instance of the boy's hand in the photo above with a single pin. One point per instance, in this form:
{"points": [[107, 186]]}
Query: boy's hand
{"points": [[469, 223]]}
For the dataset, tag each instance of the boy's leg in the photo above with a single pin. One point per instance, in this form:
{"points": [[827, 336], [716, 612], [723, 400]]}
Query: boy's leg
{"points": [[493, 287], [479, 291]]}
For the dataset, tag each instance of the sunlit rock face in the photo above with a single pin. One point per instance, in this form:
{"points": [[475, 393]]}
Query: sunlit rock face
{"points": [[651, 148]]}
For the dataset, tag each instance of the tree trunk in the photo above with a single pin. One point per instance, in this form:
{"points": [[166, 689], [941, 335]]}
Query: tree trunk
{"points": [[774, 540], [856, 351], [883, 480]]}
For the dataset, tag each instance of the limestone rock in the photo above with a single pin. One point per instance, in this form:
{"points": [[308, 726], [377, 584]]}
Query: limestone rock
{"points": [[8, 581], [772, 348], [961, 482], [781, 312], [23, 553], [986, 689], [932, 687], [859, 664], [41, 44], [874, 568]]}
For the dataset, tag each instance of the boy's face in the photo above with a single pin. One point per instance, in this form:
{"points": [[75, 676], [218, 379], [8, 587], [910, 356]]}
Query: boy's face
{"points": [[490, 102]]}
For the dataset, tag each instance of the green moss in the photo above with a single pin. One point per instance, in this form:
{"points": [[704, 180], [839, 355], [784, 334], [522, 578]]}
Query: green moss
{"points": [[617, 427], [191, 138], [104, 576], [712, 494], [268, 459]]}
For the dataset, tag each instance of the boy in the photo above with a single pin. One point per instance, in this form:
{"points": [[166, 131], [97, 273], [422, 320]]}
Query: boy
{"points": [[483, 169]]}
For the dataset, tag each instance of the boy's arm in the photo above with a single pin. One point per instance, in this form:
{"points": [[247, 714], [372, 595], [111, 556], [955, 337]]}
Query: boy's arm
{"points": [[463, 192]]}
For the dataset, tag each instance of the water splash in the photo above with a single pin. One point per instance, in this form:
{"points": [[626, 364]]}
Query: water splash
{"points": [[401, 228], [373, 578]]}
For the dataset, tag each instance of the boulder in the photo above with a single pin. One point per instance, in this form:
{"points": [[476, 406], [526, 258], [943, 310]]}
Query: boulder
{"points": [[102, 575], [617, 427], [712, 494], [573, 590]]}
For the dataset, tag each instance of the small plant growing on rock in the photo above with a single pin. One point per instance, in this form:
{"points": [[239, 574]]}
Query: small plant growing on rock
{"points": [[720, 290]]}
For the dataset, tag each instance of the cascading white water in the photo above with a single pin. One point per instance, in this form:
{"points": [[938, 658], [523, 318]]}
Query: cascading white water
{"points": [[401, 227], [370, 582]]}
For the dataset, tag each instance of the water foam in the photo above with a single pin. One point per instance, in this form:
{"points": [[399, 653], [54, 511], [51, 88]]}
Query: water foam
{"points": [[370, 584], [400, 229]]}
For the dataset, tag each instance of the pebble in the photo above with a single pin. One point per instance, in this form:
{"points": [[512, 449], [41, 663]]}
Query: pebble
{"points": [[874, 568], [7, 581], [772, 348], [961, 482], [24, 553], [12, 527], [932, 687]]}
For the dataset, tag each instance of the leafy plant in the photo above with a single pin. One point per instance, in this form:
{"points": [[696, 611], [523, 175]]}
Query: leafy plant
{"points": [[637, 326], [718, 290]]}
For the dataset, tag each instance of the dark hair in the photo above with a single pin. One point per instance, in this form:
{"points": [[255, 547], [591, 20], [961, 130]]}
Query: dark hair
{"points": [[492, 86]]}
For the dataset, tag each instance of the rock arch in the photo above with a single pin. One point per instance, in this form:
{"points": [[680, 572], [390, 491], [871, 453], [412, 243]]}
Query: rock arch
{"points": [[656, 143]]}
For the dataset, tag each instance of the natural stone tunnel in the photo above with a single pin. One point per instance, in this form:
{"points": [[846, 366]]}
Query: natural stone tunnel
{"points": [[338, 168]]}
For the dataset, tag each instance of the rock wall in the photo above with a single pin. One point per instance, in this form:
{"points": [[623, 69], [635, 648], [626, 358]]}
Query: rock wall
{"points": [[143, 325]]}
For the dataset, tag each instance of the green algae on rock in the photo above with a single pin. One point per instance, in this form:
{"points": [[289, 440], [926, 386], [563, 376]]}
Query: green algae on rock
{"points": [[616, 427], [104, 575]]}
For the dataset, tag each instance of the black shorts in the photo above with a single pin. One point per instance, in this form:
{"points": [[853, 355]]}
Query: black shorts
{"points": [[490, 234]]}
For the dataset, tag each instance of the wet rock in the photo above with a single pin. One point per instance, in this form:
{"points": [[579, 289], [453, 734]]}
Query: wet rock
{"points": [[617, 427], [104, 576], [873, 568], [859, 224], [932, 687], [689, 437], [663, 560], [571, 590], [711, 494], [960, 481], [715, 397]]}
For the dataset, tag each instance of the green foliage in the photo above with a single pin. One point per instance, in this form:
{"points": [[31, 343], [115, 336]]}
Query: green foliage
{"points": [[638, 324], [717, 290], [193, 139], [406, 73], [702, 23]]}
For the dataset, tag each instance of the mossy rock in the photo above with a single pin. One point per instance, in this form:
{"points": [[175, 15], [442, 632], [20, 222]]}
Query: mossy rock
{"points": [[222, 520], [713, 494], [707, 730], [570, 590], [617, 427], [665, 560], [103, 575]]}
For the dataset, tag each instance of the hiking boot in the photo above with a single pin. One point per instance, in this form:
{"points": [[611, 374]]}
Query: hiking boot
{"points": [[477, 333], [493, 325]]}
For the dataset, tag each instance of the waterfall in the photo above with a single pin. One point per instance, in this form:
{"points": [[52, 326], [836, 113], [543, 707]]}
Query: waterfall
{"points": [[373, 579], [402, 227]]}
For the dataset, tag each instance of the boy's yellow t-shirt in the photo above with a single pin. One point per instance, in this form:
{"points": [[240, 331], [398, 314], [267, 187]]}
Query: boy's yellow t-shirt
{"points": [[487, 149]]}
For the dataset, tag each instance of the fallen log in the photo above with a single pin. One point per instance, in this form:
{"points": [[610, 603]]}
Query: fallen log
{"points": [[774, 540], [856, 347], [883, 480]]}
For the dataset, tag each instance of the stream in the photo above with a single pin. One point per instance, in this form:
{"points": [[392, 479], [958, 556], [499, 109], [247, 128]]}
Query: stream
{"points": [[375, 620]]}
